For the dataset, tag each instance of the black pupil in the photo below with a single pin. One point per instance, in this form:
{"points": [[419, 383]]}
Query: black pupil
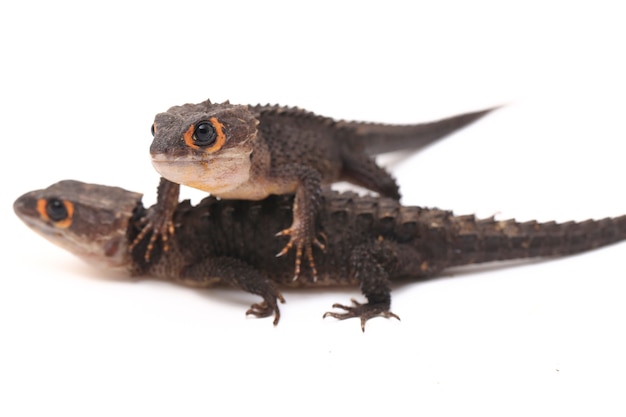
{"points": [[56, 210], [152, 129], [204, 135]]}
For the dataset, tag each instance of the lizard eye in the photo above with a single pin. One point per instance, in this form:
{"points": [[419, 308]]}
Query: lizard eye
{"points": [[56, 210], [205, 134], [208, 136], [152, 129]]}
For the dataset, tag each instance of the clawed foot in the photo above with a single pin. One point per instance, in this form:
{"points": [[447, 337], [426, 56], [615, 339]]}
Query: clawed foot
{"points": [[157, 225], [303, 243], [266, 307], [365, 311]]}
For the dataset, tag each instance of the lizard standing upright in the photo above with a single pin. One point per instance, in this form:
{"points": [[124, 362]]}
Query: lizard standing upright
{"points": [[251, 152], [371, 241]]}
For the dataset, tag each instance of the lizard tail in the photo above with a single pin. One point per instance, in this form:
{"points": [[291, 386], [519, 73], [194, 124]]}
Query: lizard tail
{"points": [[488, 240], [382, 138]]}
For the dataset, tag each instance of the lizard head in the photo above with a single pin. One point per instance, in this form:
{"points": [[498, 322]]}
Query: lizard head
{"points": [[89, 220], [205, 146]]}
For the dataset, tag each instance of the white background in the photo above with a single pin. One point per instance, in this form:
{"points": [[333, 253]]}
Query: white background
{"points": [[80, 85]]}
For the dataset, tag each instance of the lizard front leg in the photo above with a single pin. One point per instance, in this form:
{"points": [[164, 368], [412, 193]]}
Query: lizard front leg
{"points": [[302, 232], [366, 264], [238, 274], [159, 222]]}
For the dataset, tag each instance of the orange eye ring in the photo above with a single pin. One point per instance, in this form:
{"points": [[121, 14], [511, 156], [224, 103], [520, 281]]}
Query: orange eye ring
{"points": [[64, 221], [220, 139]]}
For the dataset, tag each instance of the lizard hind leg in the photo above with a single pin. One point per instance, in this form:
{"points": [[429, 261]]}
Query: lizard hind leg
{"points": [[362, 170], [375, 286]]}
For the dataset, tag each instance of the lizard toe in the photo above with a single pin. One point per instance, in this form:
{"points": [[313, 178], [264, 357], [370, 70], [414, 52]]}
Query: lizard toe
{"points": [[363, 311]]}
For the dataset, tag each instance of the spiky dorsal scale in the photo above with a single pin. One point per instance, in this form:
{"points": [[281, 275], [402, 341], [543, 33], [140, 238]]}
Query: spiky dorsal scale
{"points": [[293, 113]]}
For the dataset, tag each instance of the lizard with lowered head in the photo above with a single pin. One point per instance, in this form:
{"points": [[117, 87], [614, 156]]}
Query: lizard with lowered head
{"points": [[371, 241], [252, 152]]}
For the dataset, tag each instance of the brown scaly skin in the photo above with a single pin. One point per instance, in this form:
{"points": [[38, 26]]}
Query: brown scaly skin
{"points": [[370, 241], [252, 152]]}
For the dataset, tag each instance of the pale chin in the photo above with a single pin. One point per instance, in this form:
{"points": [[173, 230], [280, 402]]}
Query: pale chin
{"points": [[216, 174]]}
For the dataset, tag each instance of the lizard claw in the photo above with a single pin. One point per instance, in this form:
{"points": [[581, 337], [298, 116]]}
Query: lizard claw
{"points": [[364, 311], [266, 307], [302, 244], [157, 226]]}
